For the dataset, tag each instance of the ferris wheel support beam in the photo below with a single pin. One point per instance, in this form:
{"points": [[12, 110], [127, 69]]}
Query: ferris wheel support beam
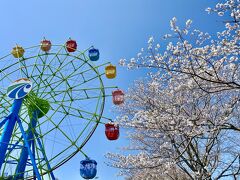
{"points": [[29, 149], [24, 154], [33, 150], [8, 129]]}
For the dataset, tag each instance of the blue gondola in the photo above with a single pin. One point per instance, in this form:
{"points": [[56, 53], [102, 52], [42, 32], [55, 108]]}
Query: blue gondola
{"points": [[88, 168], [93, 54]]}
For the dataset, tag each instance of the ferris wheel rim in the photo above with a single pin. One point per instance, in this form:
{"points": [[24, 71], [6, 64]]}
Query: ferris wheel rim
{"points": [[101, 106]]}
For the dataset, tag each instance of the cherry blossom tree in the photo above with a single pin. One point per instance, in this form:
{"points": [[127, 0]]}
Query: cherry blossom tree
{"points": [[211, 61], [178, 127], [183, 119]]}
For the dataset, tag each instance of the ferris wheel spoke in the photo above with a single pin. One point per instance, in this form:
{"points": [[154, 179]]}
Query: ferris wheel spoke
{"points": [[48, 85], [48, 118], [89, 121], [62, 65], [80, 99], [59, 124], [4, 57], [81, 117], [75, 69], [56, 85], [86, 71], [70, 90], [37, 76], [57, 155], [94, 68], [74, 86], [56, 125], [80, 111], [44, 67], [68, 122], [93, 117], [50, 81], [5, 75], [54, 55], [31, 101], [44, 62], [22, 68], [7, 103], [58, 141], [35, 62], [53, 146], [40, 71], [59, 53], [45, 85]]}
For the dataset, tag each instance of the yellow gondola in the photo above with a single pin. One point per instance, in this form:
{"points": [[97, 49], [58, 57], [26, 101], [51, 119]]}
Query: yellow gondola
{"points": [[110, 71]]}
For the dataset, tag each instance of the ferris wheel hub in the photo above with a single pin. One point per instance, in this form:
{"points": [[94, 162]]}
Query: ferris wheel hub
{"points": [[36, 105], [19, 88]]}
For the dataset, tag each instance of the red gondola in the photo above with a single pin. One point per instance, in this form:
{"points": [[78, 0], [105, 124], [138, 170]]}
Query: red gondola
{"points": [[71, 45], [118, 97], [46, 45], [112, 131]]}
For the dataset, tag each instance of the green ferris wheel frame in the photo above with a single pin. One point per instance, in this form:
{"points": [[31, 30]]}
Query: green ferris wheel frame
{"points": [[48, 75]]}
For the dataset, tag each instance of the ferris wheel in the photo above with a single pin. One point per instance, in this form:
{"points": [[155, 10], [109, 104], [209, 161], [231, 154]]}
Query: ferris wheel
{"points": [[51, 101]]}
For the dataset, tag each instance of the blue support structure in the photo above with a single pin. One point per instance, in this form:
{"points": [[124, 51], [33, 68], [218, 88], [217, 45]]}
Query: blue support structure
{"points": [[15, 146], [33, 150], [3, 122], [25, 152], [8, 129], [30, 140], [29, 150]]}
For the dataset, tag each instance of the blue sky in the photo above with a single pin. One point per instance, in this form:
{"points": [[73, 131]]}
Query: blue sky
{"points": [[118, 28]]}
